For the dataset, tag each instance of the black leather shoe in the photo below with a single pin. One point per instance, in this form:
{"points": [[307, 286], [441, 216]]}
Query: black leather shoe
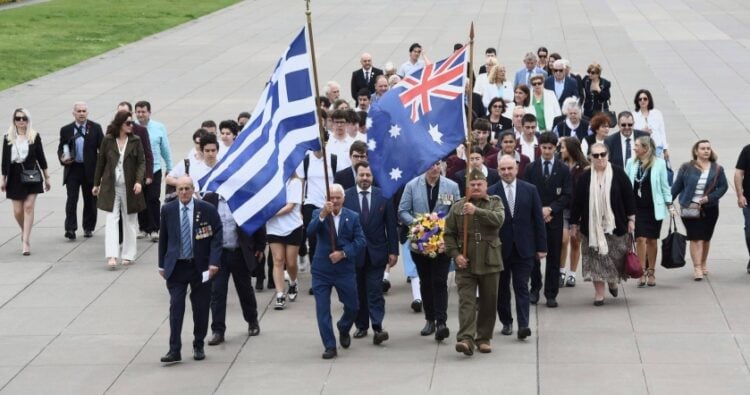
{"points": [[429, 328], [386, 285], [329, 353], [748, 267], [345, 339], [271, 284], [360, 333], [69, 234], [259, 285], [216, 339], [507, 330], [253, 329], [416, 305], [88, 233], [171, 357], [614, 292], [198, 354], [379, 337], [534, 297], [551, 302], [523, 333], [310, 291], [442, 332], [598, 303]]}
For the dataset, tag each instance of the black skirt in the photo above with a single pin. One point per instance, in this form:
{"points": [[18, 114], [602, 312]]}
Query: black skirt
{"points": [[292, 239], [646, 224], [702, 228], [15, 189]]}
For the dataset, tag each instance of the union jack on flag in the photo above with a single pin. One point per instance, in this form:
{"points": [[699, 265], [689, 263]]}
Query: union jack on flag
{"points": [[434, 80], [417, 122]]}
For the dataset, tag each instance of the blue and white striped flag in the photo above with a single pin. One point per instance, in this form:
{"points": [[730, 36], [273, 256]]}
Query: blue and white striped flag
{"points": [[252, 175]]}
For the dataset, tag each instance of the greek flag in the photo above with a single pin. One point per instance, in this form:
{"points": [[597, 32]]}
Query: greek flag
{"points": [[252, 175]]}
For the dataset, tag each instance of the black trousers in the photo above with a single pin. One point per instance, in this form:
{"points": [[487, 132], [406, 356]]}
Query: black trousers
{"points": [[433, 284], [77, 183], [517, 269], [148, 219], [552, 263], [185, 274], [370, 293], [232, 263], [307, 211]]}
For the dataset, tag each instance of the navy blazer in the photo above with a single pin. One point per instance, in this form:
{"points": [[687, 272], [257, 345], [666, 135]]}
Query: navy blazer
{"points": [[92, 140], [350, 239], [525, 228], [206, 251], [347, 179], [555, 191], [379, 228], [359, 81], [570, 88], [614, 145]]}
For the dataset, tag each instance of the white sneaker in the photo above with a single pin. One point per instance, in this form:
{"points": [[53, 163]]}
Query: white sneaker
{"points": [[142, 235], [155, 237], [280, 303]]}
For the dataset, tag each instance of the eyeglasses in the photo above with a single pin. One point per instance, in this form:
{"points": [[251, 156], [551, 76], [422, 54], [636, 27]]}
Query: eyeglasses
{"points": [[536, 83], [558, 70], [599, 155], [593, 72], [19, 119], [626, 125], [643, 98], [128, 123], [542, 55], [497, 106]]}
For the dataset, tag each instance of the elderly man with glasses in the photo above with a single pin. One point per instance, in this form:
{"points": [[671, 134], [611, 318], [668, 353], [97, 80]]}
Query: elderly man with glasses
{"points": [[563, 85]]}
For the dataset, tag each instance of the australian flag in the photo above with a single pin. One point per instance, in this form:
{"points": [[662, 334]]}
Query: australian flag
{"points": [[417, 122]]}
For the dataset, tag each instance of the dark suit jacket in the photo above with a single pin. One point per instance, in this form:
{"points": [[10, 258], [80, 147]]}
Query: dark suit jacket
{"points": [[206, 251], [614, 145], [346, 178], [35, 156], [379, 229], [555, 191], [525, 227], [569, 89], [92, 140], [563, 130], [133, 168], [359, 81], [249, 244], [142, 132], [460, 178], [350, 239]]}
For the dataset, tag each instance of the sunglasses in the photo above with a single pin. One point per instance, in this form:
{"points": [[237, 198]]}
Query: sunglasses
{"points": [[558, 70], [19, 119], [626, 125], [593, 72], [542, 55], [599, 155], [644, 98], [536, 83], [128, 123]]}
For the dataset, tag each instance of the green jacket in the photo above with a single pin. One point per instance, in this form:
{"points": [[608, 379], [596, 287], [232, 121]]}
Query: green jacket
{"points": [[134, 166], [484, 249]]}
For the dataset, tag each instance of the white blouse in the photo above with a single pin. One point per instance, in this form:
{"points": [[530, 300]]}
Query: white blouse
{"points": [[655, 121], [20, 150]]}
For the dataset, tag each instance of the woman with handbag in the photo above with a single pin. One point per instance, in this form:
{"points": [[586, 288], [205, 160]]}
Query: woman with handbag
{"points": [[23, 157], [603, 211], [118, 182], [699, 185], [595, 91], [653, 202]]}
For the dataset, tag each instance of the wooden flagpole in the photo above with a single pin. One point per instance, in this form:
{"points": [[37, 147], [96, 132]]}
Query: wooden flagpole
{"points": [[321, 128], [469, 121]]}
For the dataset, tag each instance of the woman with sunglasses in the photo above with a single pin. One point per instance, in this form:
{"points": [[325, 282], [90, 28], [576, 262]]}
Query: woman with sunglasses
{"points": [[22, 150], [700, 184], [603, 211], [650, 120], [498, 122], [545, 104], [595, 91], [118, 183]]}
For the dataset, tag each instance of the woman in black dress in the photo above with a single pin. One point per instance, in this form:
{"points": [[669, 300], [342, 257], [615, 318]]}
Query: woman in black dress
{"points": [[22, 150], [653, 202]]}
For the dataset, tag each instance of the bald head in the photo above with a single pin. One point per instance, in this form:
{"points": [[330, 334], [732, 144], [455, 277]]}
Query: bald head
{"points": [[185, 189], [366, 60], [508, 168]]}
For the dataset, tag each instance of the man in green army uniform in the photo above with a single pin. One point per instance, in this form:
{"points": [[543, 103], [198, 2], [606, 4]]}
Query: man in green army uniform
{"points": [[481, 269]]}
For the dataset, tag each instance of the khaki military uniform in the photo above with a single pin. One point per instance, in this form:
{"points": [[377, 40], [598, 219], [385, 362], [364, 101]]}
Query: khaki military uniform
{"points": [[485, 265]]}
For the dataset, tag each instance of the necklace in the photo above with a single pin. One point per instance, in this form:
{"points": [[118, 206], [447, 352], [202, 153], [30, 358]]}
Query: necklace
{"points": [[639, 176]]}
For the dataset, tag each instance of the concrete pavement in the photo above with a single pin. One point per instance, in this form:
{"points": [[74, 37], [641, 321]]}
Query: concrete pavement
{"points": [[68, 325]]}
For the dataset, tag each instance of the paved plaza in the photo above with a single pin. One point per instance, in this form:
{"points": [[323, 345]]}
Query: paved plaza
{"points": [[70, 326]]}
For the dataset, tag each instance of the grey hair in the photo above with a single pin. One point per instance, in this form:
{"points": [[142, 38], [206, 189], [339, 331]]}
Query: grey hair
{"points": [[558, 63], [530, 56], [331, 84], [336, 187], [389, 66], [569, 103], [80, 103]]}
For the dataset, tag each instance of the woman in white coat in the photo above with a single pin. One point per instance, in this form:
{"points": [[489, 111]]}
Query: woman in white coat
{"points": [[545, 104]]}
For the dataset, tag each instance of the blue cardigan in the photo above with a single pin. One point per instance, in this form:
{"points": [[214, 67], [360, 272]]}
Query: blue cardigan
{"points": [[687, 179], [659, 186]]}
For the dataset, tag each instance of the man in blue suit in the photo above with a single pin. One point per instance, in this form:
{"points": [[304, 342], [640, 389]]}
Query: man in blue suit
{"points": [[563, 86], [378, 219], [530, 68], [340, 239], [524, 239], [190, 240]]}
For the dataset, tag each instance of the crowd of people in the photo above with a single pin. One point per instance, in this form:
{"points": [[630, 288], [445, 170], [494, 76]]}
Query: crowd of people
{"points": [[543, 178]]}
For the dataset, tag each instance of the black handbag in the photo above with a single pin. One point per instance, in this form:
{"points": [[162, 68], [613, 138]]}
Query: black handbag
{"points": [[29, 177], [673, 247]]}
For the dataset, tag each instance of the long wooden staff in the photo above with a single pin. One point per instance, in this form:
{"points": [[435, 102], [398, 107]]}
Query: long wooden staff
{"points": [[469, 121]]}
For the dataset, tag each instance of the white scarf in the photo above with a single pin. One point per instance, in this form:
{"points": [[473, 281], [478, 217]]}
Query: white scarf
{"points": [[601, 217]]}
